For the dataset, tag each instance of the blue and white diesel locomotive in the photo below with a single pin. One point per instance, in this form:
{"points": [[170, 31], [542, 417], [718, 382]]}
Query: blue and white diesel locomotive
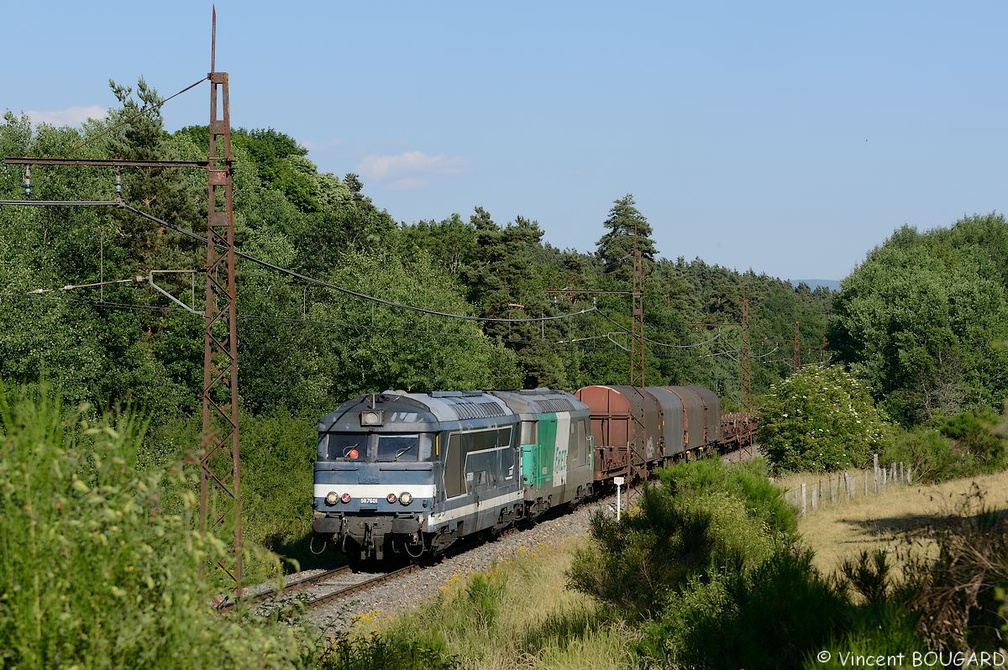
{"points": [[414, 472]]}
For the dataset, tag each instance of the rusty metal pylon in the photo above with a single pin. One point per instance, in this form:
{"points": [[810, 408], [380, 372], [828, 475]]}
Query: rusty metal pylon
{"points": [[637, 446], [220, 479]]}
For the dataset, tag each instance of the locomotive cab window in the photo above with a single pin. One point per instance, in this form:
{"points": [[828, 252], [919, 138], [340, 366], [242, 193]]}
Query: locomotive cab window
{"points": [[343, 446], [399, 447]]}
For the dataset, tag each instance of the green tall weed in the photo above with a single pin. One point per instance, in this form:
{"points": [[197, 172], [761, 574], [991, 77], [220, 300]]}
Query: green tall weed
{"points": [[99, 567]]}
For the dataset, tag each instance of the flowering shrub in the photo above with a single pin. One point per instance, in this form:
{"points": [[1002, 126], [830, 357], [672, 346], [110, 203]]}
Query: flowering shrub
{"points": [[820, 419]]}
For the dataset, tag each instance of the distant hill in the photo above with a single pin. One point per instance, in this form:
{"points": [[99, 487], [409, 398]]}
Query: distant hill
{"points": [[831, 284]]}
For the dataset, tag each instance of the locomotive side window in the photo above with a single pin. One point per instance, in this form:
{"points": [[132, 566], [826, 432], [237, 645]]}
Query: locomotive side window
{"points": [[572, 442], [398, 447], [582, 437], [478, 458], [529, 432], [453, 467]]}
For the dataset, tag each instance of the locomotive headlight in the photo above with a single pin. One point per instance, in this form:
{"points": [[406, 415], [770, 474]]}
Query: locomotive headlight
{"points": [[405, 497], [391, 498], [371, 417], [331, 498], [345, 498]]}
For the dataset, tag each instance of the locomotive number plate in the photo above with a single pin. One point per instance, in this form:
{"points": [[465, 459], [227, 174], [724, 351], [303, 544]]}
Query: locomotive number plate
{"points": [[369, 501]]}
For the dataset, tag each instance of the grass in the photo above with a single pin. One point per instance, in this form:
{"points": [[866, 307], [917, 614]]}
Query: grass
{"points": [[838, 531], [521, 614], [518, 614]]}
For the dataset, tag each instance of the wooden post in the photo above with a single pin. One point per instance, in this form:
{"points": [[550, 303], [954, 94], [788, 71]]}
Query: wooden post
{"points": [[803, 507], [875, 469]]}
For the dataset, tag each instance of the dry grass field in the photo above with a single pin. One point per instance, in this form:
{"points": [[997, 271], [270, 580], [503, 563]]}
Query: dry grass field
{"points": [[896, 518]]}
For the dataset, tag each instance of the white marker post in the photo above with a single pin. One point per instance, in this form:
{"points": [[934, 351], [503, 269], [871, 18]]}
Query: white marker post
{"points": [[619, 482]]}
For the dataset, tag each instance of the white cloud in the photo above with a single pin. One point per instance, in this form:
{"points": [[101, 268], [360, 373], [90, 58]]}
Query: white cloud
{"points": [[408, 184], [408, 170], [71, 116]]}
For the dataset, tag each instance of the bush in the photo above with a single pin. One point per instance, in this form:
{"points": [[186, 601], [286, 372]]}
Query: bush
{"points": [[767, 617], [278, 453], [975, 438], [708, 516], [959, 596], [931, 456], [820, 419], [749, 482], [961, 446]]}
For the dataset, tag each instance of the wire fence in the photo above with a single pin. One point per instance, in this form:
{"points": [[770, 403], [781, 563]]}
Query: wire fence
{"points": [[833, 487]]}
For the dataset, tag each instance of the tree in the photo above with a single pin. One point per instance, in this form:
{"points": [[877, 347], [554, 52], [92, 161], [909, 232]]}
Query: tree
{"points": [[924, 319], [626, 224], [507, 279]]}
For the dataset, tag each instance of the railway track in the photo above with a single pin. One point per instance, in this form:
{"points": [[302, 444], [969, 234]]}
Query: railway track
{"points": [[316, 590]]}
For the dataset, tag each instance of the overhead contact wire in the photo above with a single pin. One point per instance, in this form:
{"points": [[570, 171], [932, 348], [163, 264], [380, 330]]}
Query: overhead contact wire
{"points": [[132, 117], [660, 344], [351, 292]]}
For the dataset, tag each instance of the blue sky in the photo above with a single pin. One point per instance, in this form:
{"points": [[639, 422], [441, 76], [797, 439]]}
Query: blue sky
{"points": [[786, 137]]}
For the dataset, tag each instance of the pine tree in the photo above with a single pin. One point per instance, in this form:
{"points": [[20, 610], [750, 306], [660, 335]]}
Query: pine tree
{"points": [[615, 249]]}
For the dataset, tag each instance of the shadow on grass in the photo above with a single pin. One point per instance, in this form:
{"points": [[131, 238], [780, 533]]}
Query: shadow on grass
{"points": [[921, 525], [560, 629], [308, 551]]}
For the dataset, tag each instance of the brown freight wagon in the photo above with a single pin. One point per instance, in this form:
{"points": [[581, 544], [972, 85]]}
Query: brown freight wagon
{"points": [[612, 427]]}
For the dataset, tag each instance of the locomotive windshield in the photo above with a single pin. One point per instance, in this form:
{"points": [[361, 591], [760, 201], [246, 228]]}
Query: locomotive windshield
{"points": [[340, 446], [398, 447]]}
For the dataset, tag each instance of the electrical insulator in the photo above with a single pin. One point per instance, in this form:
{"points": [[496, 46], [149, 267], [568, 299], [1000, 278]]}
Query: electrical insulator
{"points": [[27, 181], [118, 185]]}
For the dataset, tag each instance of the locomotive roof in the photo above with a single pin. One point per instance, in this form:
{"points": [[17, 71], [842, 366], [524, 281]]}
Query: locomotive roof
{"points": [[412, 411], [541, 401]]}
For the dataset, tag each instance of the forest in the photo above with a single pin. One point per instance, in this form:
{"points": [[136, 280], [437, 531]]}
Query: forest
{"points": [[102, 312], [921, 322], [303, 346]]}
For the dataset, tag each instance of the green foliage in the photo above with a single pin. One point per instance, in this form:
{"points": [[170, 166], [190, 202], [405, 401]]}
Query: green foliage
{"points": [[740, 591], [870, 575], [881, 622], [688, 528], [506, 279], [767, 617], [887, 631], [276, 158], [960, 446], [374, 347], [626, 226], [98, 567], [973, 435], [820, 419], [929, 454], [923, 320], [277, 454], [750, 482], [390, 651]]}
